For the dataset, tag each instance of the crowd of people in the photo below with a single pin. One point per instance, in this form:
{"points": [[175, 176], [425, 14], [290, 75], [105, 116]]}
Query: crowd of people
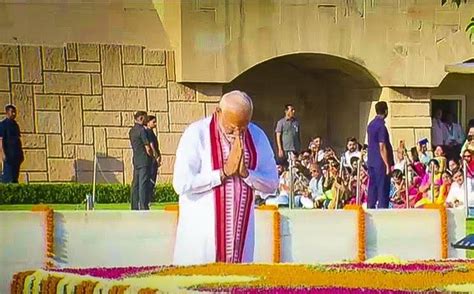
{"points": [[322, 179]]}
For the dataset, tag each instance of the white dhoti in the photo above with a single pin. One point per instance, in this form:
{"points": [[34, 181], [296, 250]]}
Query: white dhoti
{"points": [[216, 220]]}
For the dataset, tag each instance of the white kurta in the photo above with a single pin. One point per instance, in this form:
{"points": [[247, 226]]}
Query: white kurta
{"points": [[194, 179]]}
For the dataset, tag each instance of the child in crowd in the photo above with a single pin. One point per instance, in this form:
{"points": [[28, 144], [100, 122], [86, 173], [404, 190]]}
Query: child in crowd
{"points": [[423, 154], [397, 190], [440, 157]]}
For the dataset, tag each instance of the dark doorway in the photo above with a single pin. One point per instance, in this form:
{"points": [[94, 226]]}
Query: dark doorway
{"points": [[447, 106], [326, 91]]}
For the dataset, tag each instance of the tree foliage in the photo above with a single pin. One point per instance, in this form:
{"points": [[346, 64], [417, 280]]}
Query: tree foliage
{"points": [[457, 2], [470, 25]]}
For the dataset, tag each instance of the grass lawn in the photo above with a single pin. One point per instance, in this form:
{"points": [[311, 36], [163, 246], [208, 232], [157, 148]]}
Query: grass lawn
{"points": [[99, 206]]}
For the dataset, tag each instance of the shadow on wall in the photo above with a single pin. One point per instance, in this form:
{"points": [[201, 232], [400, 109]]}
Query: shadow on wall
{"points": [[109, 170]]}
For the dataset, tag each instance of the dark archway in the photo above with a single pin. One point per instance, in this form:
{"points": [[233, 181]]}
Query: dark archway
{"points": [[328, 92], [458, 88]]}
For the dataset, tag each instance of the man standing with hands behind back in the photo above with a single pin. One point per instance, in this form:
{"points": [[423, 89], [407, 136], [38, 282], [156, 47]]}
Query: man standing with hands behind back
{"points": [[11, 151], [141, 163], [288, 133], [380, 159]]}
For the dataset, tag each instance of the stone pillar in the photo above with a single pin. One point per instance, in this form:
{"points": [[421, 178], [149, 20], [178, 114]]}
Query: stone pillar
{"points": [[409, 114]]}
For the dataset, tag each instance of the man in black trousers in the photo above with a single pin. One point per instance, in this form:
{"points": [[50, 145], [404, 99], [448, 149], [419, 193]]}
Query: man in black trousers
{"points": [[155, 160], [11, 151], [141, 163]]}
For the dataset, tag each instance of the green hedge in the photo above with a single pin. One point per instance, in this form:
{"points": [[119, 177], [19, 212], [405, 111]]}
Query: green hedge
{"points": [[76, 193]]}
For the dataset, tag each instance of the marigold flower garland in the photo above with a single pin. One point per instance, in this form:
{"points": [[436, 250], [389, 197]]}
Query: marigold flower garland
{"points": [[444, 227], [49, 228], [276, 231], [360, 230]]}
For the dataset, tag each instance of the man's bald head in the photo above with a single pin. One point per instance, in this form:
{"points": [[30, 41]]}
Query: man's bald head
{"points": [[237, 101], [236, 110]]}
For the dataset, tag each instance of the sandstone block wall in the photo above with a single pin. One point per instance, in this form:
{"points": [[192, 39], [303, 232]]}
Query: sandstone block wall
{"points": [[78, 100]]}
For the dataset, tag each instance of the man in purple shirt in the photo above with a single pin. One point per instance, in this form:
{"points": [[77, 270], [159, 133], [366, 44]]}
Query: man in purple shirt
{"points": [[380, 159]]}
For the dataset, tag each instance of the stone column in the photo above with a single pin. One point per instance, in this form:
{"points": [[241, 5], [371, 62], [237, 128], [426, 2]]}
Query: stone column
{"points": [[409, 114]]}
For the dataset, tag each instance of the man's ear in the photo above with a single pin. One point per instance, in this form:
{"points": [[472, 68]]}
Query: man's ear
{"points": [[218, 109]]}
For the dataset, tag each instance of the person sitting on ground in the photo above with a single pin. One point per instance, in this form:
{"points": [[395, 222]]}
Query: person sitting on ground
{"points": [[440, 157], [315, 191], [400, 156], [417, 166], [468, 163], [317, 152], [470, 132], [397, 190], [455, 196], [305, 158], [339, 190], [445, 186], [467, 158], [283, 192], [352, 183], [453, 165], [426, 190], [330, 175], [364, 152], [469, 143]]}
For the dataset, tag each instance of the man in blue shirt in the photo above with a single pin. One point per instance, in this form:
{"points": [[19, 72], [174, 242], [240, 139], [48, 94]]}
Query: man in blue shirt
{"points": [[11, 150], [380, 159]]}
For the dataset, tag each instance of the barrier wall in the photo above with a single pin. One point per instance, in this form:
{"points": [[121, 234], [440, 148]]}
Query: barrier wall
{"points": [[126, 238]]}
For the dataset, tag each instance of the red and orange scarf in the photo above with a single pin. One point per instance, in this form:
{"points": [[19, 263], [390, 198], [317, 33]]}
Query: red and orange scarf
{"points": [[234, 199]]}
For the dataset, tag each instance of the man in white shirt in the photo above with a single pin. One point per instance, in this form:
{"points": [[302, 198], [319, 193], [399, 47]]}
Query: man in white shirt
{"points": [[220, 161], [453, 137], [352, 151], [456, 196], [315, 190], [437, 129]]}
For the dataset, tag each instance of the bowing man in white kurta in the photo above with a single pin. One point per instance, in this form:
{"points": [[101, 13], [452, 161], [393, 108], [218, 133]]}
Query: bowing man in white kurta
{"points": [[215, 184]]}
